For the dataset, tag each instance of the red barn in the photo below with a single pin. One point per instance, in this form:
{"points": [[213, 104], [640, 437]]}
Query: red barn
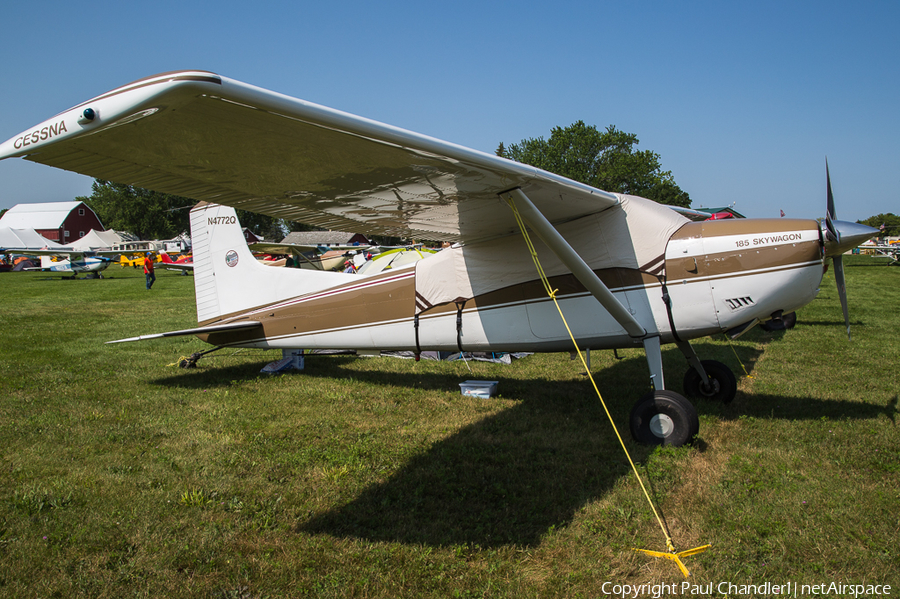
{"points": [[62, 222]]}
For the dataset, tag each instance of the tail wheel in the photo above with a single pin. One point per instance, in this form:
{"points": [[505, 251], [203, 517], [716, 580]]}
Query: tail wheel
{"points": [[664, 418], [722, 384]]}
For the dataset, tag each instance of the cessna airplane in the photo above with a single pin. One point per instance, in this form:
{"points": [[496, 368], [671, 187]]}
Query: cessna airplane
{"points": [[626, 271], [75, 265], [76, 262]]}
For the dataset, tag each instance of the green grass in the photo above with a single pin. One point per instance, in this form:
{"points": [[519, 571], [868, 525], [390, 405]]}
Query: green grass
{"points": [[124, 476]]}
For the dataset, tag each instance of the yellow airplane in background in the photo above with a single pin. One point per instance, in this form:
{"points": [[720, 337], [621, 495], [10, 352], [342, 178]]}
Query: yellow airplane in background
{"points": [[137, 260], [134, 261]]}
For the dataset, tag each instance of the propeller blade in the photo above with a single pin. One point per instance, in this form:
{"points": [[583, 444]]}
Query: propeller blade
{"points": [[842, 290], [830, 215]]}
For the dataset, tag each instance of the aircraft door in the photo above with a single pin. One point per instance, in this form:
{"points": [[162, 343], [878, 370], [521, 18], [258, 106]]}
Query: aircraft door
{"points": [[690, 287]]}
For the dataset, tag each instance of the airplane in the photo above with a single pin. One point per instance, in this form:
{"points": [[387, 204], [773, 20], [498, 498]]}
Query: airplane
{"points": [[392, 259], [137, 259], [626, 271], [185, 263], [133, 262], [75, 264], [314, 257], [882, 249]]}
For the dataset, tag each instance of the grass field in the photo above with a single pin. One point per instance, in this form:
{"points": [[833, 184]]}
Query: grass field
{"points": [[124, 476]]}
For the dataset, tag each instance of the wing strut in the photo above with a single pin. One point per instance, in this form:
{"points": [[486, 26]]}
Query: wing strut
{"points": [[568, 256]]}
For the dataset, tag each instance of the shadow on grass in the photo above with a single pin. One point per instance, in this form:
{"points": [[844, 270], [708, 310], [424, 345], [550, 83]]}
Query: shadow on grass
{"points": [[509, 478], [506, 479], [513, 476]]}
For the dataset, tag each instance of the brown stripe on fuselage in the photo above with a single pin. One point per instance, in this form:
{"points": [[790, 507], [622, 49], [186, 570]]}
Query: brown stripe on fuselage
{"points": [[391, 297], [363, 302], [743, 226], [359, 306], [744, 260], [741, 262]]}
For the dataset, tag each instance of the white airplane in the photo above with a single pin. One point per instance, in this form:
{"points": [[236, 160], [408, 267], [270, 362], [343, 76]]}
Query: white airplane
{"points": [[313, 257], [627, 272], [883, 249], [76, 262]]}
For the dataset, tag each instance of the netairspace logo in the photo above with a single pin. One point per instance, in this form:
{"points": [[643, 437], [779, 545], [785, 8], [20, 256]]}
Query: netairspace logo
{"points": [[786, 589]]}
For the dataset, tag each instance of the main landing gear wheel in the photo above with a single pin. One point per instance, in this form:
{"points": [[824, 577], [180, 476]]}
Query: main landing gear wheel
{"points": [[722, 384], [784, 323], [664, 418]]}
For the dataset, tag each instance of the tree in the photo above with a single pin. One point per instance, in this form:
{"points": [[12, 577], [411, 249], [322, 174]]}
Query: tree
{"points": [[606, 160], [890, 221], [147, 214], [153, 215]]}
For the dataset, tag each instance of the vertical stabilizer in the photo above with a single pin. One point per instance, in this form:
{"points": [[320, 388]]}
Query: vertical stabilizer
{"points": [[61, 266], [229, 280]]}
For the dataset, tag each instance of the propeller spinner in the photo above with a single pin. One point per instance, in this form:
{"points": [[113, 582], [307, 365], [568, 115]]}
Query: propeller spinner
{"points": [[841, 236]]}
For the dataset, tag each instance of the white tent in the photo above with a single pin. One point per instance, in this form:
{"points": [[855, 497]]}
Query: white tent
{"points": [[96, 240], [26, 238]]}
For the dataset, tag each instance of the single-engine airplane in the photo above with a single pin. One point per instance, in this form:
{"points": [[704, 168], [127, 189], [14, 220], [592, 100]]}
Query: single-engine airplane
{"points": [[184, 264], [313, 257], [72, 261], [628, 271], [75, 264]]}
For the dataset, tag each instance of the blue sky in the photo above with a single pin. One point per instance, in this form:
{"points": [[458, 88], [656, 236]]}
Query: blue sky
{"points": [[743, 101]]}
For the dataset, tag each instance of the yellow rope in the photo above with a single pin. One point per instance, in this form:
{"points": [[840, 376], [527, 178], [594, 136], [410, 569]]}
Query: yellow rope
{"points": [[731, 344], [672, 555]]}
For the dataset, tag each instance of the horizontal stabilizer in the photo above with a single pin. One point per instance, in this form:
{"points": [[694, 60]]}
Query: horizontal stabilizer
{"points": [[232, 326]]}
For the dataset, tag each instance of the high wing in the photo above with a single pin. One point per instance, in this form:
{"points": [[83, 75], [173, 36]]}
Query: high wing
{"points": [[67, 252], [207, 137], [27, 241], [694, 215]]}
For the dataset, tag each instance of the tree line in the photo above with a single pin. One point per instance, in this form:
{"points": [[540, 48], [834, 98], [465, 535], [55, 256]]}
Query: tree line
{"points": [[154, 215]]}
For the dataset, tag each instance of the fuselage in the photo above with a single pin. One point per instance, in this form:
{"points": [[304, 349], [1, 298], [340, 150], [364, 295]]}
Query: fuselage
{"points": [[717, 274], [85, 265]]}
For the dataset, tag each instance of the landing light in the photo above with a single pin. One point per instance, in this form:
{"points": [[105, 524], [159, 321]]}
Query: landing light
{"points": [[87, 116]]}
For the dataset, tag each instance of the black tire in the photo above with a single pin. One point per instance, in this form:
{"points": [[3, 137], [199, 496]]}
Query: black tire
{"points": [[722, 384], [787, 321], [664, 418]]}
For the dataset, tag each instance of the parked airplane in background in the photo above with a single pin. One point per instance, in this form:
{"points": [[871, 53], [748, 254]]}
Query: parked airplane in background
{"points": [[185, 263], [626, 272], [882, 248], [313, 257], [75, 265], [72, 261]]}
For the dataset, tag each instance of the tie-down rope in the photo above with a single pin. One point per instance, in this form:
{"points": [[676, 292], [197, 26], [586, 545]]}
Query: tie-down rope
{"points": [[672, 554]]}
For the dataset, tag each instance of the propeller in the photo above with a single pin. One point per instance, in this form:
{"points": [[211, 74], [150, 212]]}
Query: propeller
{"points": [[840, 237]]}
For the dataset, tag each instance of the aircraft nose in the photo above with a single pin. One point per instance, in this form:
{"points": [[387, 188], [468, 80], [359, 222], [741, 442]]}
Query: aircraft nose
{"points": [[850, 235]]}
